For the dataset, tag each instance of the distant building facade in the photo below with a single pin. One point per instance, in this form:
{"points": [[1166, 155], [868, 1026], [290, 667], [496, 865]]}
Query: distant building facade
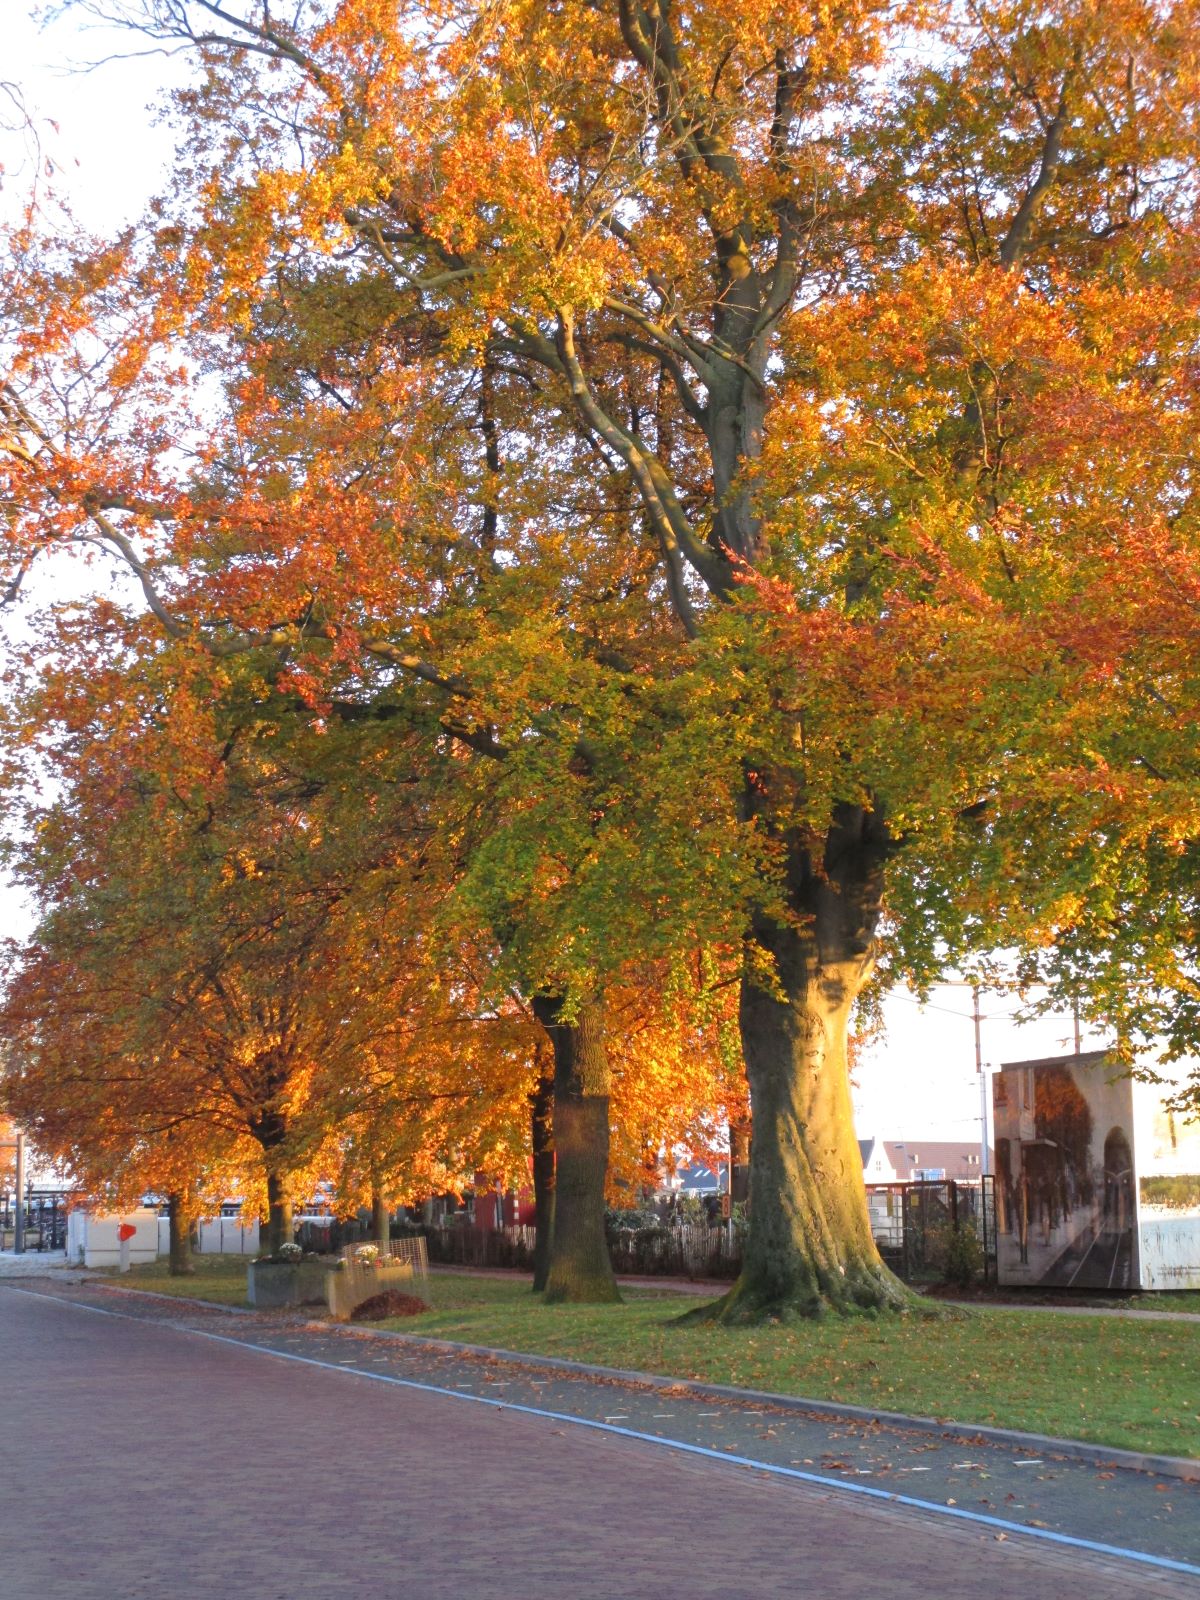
{"points": [[919, 1161]]}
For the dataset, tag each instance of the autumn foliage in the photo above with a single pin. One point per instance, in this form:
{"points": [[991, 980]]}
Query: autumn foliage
{"points": [[727, 470]]}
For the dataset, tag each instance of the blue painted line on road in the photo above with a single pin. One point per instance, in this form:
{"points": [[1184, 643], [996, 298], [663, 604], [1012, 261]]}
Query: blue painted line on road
{"points": [[959, 1513]]}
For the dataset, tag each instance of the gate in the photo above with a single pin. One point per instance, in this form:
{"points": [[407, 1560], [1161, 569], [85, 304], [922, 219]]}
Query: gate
{"points": [[915, 1224], [45, 1219]]}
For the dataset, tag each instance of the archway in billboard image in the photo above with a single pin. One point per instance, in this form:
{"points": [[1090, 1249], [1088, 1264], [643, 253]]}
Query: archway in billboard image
{"points": [[1108, 1261], [1115, 1266]]}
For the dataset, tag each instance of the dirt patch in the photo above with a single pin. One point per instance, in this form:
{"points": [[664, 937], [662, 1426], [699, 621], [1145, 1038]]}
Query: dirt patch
{"points": [[1015, 1299], [391, 1303]]}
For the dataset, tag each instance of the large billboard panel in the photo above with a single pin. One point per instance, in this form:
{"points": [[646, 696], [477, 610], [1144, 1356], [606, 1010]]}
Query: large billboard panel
{"points": [[1065, 1210], [1097, 1183]]}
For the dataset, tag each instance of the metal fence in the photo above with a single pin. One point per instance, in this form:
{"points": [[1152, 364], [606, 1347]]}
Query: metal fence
{"points": [[914, 1225], [682, 1250], [45, 1220], [463, 1245], [330, 1235]]}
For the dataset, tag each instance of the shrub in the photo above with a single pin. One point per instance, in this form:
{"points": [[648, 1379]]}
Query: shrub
{"points": [[958, 1254]]}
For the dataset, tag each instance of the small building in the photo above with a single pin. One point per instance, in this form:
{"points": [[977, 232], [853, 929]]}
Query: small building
{"points": [[497, 1207], [698, 1180], [1097, 1181], [94, 1238]]}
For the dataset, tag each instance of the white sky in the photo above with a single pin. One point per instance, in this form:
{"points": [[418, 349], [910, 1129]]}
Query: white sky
{"points": [[919, 1081], [110, 155]]}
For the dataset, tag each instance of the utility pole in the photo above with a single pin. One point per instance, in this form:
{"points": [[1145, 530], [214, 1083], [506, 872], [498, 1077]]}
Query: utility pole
{"points": [[984, 1164]]}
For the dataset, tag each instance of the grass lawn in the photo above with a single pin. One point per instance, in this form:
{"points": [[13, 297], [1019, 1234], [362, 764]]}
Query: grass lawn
{"points": [[1127, 1383], [221, 1278]]}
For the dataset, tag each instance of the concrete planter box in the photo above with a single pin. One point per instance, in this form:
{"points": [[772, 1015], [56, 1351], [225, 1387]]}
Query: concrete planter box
{"points": [[273, 1284], [348, 1286]]}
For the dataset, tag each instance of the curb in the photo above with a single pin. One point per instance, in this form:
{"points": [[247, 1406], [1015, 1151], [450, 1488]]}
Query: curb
{"points": [[1181, 1467], [1128, 1313]]}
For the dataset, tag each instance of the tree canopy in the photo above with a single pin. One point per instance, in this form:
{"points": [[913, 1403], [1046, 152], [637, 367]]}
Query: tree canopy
{"points": [[753, 449]]}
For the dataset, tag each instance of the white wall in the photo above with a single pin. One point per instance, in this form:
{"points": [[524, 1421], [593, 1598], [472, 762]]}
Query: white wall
{"points": [[228, 1236], [92, 1237], [1167, 1147]]}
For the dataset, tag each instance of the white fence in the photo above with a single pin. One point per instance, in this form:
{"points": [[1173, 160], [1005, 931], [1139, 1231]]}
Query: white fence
{"points": [[229, 1237], [215, 1235]]}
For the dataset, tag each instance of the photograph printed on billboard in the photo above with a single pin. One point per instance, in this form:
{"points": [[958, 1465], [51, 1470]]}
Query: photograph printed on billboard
{"points": [[1066, 1214]]}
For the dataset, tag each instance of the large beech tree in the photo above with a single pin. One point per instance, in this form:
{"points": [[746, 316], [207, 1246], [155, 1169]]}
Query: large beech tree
{"points": [[828, 309]]}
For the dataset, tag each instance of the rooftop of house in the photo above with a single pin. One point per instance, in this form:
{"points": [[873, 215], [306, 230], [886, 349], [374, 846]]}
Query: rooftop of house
{"points": [[698, 1178], [910, 1158], [1083, 1058]]}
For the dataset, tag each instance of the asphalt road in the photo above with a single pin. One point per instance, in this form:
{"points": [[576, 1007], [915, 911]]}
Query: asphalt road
{"points": [[145, 1459]]}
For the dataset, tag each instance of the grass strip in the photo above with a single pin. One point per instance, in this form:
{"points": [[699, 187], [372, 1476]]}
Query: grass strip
{"points": [[216, 1277]]}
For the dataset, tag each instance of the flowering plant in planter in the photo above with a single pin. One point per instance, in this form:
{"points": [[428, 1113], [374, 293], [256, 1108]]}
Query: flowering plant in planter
{"points": [[367, 1269], [288, 1255]]}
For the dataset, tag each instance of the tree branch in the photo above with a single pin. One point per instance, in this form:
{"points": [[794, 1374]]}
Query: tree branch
{"points": [[1016, 240], [667, 516]]}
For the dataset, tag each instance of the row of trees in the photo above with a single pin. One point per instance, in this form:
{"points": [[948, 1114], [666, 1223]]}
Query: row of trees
{"points": [[268, 985], [630, 506]]}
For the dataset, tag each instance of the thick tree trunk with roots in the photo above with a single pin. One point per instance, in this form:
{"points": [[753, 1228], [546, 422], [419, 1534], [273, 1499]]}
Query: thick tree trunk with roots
{"points": [[179, 1228], [579, 1270], [541, 1118], [809, 1247]]}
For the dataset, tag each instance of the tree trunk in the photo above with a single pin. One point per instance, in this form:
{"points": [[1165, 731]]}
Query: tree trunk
{"points": [[280, 1229], [542, 1131], [179, 1226], [809, 1247], [579, 1269], [381, 1222], [739, 1160]]}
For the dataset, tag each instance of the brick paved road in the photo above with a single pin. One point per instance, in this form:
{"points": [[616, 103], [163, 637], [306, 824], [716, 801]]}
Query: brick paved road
{"points": [[155, 1465]]}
